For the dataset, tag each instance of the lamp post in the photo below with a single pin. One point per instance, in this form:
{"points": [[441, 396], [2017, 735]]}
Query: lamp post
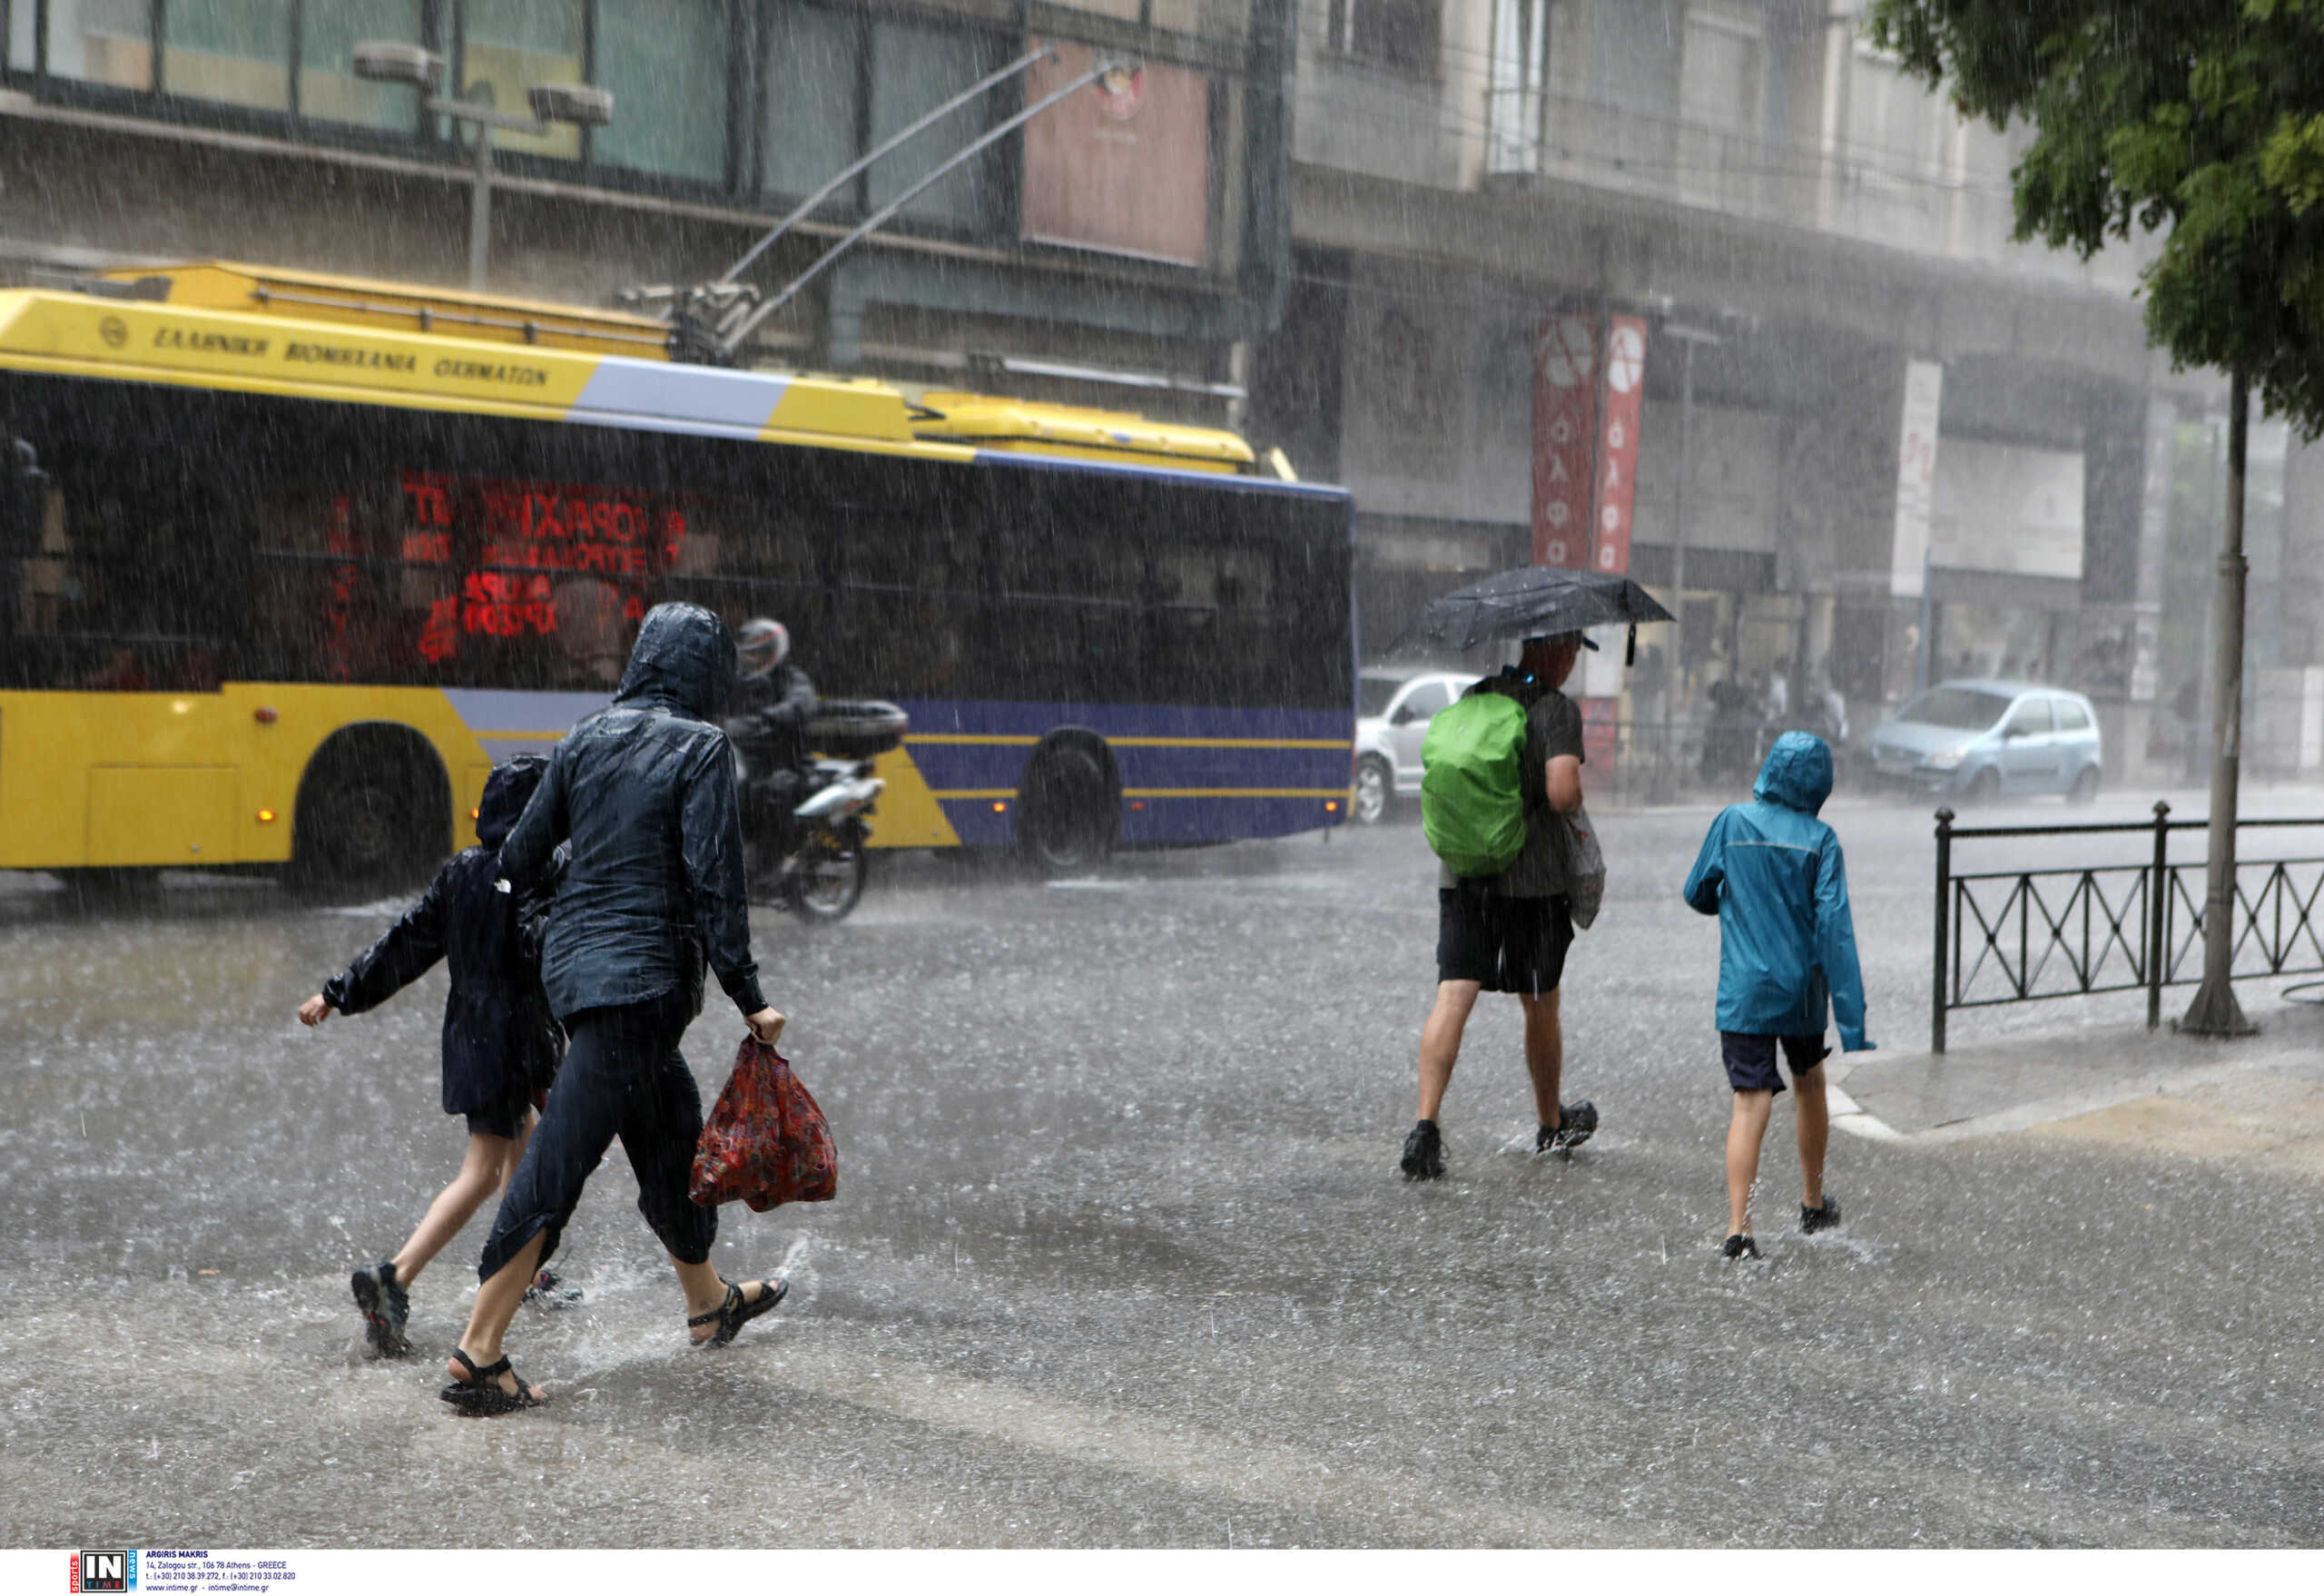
{"points": [[580, 104]]}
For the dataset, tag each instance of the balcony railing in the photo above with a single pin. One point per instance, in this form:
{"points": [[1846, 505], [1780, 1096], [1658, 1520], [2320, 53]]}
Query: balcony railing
{"points": [[1874, 195]]}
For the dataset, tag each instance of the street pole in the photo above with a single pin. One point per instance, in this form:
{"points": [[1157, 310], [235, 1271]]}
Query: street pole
{"points": [[1675, 677], [2215, 1011], [480, 207], [1924, 667]]}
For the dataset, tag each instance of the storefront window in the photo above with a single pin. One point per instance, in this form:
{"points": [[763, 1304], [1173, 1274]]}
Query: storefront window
{"points": [[328, 89], [233, 52], [108, 41], [665, 62], [513, 44]]}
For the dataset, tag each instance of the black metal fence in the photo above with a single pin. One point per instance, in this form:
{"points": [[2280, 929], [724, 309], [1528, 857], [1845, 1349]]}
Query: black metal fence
{"points": [[2018, 936]]}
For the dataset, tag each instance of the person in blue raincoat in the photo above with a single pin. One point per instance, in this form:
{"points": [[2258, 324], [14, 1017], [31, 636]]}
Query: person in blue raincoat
{"points": [[1774, 875]]}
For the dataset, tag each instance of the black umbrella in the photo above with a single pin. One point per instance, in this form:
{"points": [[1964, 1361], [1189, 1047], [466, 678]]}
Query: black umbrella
{"points": [[1532, 601]]}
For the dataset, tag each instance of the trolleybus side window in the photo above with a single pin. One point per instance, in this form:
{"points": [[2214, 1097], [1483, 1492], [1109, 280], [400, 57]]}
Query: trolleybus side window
{"points": [[125, 568]]}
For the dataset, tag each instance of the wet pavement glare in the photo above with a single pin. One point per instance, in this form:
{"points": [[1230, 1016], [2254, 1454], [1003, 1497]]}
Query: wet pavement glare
{"points": [[1120, 1256]]}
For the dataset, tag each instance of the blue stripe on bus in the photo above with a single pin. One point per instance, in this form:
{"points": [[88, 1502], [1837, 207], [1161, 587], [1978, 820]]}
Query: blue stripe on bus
{"points": [[992, 770]]}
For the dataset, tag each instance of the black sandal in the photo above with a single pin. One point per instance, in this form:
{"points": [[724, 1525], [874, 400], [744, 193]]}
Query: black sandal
{"points": [[480, 1395], [735, 1312]]}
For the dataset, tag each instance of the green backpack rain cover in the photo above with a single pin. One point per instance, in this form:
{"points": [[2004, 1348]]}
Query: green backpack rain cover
{"points": [[1472, 783]]}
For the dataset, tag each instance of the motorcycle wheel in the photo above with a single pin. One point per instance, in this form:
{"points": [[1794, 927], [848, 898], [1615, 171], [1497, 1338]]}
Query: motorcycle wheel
{"points": [[830, 879]]}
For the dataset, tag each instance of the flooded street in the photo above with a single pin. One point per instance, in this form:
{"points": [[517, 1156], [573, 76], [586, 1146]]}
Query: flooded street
{"points": [[1120, 1256]]}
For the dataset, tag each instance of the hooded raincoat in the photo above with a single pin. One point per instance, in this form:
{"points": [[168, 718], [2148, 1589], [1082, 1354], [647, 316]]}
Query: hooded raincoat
{"points": [[499, 1043], [1773, 874], [645, 789]]}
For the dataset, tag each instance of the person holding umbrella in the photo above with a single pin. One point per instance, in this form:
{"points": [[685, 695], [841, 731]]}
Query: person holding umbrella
{"points": [[1504, 911], [1509, 931]]}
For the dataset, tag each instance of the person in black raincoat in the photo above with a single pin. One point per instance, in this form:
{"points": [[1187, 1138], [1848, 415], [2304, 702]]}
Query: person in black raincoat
{"points": [[500, 1044], [644, 792]]}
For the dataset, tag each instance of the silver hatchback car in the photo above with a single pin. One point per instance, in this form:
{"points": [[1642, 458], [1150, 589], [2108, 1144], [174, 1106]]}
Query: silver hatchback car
{"points": [[1985, 739], [1392, 713]]}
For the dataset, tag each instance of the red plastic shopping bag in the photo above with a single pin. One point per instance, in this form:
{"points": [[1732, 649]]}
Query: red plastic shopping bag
{"points": [[766, 1142]]}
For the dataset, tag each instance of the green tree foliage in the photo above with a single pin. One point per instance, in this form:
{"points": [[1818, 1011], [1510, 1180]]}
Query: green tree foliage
{"points": [[2202, 120]]}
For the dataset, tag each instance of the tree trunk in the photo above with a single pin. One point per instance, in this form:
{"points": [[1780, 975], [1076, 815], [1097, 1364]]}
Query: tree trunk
{"points": [[2215, 1011]]}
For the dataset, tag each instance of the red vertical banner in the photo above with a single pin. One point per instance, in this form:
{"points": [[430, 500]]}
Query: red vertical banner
{"points": [[1565, 424], [1618, 414]]}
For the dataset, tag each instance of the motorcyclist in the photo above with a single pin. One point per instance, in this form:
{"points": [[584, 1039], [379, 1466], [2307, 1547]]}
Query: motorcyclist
{"points": [[768, 711]]}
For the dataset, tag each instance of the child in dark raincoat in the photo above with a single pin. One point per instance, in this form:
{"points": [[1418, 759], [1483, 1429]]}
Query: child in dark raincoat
{"points": [[1773, 874], [500, 1044]]}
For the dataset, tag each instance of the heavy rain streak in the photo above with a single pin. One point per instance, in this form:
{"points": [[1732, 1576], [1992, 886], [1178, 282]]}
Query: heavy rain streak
{"points": [[1281, 774]]}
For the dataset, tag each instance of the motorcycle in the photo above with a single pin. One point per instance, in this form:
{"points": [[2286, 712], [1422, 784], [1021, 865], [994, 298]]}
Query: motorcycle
{"points": [[821, 873]]}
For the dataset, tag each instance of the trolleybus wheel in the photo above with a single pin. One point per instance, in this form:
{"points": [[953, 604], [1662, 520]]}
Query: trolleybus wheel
{"points": [[1068, 811], [372, 811]]}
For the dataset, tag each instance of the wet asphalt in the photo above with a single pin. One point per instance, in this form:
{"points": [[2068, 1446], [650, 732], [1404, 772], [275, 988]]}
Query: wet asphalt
{"points": [[1120, 1256]]}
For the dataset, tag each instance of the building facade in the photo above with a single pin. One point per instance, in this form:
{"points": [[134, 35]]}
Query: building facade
{"points": [[1816, 253]]}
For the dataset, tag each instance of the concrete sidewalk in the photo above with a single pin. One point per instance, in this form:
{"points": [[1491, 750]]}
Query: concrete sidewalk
{"points": [[2258, 1100]]}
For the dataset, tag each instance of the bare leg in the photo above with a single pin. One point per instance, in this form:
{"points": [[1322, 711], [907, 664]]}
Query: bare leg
{"points": [[1544, 1053], [1813, 1114], [1744, 1129], [523, 1138], [495, 1305], [482, 1169], [1440, 1041]]}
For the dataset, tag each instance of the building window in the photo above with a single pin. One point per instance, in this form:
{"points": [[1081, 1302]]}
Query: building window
{"points": [[1719, 77], [19, 43], [108, 41], [230, 52], [665, 62], [813, 95], [1398, 33], [1896, 128], [1521, 58], [513, 44], [914, 68], [329, 90]]}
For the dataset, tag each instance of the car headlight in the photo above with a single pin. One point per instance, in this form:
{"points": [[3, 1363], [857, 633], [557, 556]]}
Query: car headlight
{"points": [[1947, 759]]}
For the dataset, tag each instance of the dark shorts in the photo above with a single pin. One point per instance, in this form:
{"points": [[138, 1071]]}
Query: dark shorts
{"points": [[502, 1120], [1504, 944], [1750, 1060]]}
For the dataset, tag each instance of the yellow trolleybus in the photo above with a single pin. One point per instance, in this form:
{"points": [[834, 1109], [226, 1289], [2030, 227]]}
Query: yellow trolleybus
{"points": [[288, 561]]}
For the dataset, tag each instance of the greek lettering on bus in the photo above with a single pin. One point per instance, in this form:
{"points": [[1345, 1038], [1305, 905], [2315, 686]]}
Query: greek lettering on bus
{"points": [[208, 343], [491, 372], [324, 354]]}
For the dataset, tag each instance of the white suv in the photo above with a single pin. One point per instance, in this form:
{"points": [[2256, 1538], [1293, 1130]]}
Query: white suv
{"points": [[1392, 713]]}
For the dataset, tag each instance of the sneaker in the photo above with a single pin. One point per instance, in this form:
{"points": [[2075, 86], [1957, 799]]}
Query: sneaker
{"points": [[1741, 1247], [548, 1289], [1578, 1123], [1827, 1217], [1424, 1152], [385, 1309]]}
